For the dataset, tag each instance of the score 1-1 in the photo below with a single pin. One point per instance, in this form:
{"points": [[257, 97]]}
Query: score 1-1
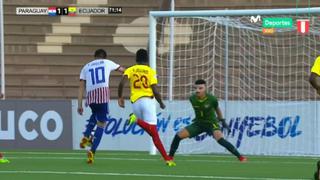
{"points": [[62, 11]]}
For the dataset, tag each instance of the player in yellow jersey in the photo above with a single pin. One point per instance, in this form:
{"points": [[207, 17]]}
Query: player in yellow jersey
{"points": [[315, 75], [143, 85], [315, 82]]}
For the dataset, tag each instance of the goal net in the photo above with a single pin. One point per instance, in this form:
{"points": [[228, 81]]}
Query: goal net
{"points": [[258, 73]]}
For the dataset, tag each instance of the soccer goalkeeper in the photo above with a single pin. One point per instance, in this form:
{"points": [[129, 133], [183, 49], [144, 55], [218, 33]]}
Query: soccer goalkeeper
{"points": [[208, 115]]}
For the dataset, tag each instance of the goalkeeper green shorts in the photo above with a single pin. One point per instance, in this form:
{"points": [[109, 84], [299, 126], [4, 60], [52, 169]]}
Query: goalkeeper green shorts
{"points": [[197, 128]]}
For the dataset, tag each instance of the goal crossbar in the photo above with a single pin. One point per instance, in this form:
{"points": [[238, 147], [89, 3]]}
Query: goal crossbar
{"points": [[154, 14]]}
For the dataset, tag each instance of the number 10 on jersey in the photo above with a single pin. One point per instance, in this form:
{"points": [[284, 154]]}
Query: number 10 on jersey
{"points": [[97, 75]]}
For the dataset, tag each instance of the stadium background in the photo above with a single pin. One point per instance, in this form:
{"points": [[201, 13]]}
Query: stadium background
{"points": [[43, 55]]}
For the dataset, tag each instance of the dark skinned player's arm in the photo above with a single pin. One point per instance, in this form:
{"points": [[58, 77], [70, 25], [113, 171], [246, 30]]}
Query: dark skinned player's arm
{"points": [[157, 95], [121, 85], [120, 90], [314, 80]]}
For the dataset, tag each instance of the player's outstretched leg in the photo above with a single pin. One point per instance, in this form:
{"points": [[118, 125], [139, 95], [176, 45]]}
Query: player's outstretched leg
{"points": [[96, 141], [174, 145], [219, 137], [87, 140], [153, 132], [184, 133]]}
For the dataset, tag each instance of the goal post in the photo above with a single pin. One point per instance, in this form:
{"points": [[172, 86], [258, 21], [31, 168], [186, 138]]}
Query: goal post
{"points": [[260, 79]]}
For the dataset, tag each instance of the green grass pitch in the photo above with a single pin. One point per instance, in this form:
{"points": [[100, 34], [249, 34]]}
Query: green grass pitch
{"points": [[110, 165]]}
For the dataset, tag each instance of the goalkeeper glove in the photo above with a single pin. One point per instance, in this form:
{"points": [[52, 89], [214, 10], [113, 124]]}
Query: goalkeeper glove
{"points": [[225, 125]]}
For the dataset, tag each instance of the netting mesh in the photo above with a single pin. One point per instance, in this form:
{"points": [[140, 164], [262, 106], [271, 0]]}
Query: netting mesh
{"points": [[261, 68]]}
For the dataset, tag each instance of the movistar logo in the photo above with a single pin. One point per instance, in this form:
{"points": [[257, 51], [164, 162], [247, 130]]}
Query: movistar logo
{"points": [[255, 19]]}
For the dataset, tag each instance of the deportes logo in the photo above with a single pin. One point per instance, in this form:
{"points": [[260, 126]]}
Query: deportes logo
{"points": [[303, 26]]}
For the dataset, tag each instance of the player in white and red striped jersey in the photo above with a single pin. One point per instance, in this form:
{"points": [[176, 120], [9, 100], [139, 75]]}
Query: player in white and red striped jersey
{"points": [[94, 77]]}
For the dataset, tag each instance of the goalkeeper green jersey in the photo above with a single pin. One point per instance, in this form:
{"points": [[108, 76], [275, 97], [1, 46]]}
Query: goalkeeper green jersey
{"points": [[204, 108]]}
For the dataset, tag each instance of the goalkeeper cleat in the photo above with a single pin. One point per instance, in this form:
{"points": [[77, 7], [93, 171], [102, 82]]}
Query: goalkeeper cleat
{"points": [[132, 118], [85, 142], [90, 156], [171, 163], [3, 161], [243, 159]]}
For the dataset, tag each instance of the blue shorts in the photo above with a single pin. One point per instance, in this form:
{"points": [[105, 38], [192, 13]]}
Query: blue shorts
{"points": [[100, 111]]}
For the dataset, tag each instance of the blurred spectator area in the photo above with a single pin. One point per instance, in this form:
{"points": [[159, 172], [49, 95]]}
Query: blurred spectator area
{"points": [[44, 55]]}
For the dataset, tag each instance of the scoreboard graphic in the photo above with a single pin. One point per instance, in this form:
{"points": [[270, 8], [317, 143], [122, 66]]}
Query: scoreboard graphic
{"points": [[68, 11]]}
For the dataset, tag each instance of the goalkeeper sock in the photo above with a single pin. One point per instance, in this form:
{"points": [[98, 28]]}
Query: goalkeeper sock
{"points": [[91, 124], [97, 138], [229, 147], [153, 132], [174, 145]]}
